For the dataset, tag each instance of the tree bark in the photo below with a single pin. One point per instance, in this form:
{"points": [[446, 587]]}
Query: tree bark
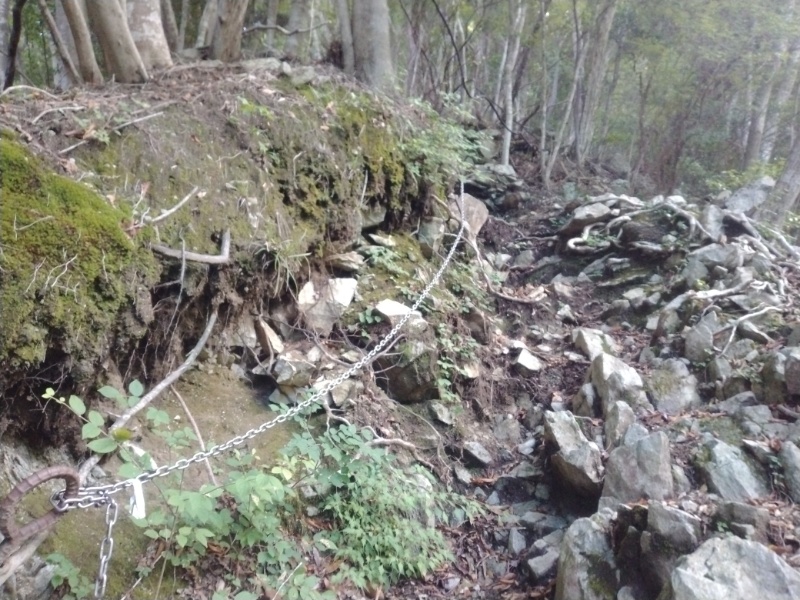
{"points": [[758, 117], [170, 24], [205, 28], [786, 85], [111, 27], [226, 43], [517, 13], [784, 197], [147, 32], [594, 73], [272, 21], [371, 44], [295, 46], [346, 36], [66, 65], [13, 43], [5, 34]]}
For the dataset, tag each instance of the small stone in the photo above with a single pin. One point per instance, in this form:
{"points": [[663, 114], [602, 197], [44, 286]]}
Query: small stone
{"points": [[441, 413], [516, 541], [527, 364], [478, 454], [543, 567], [382, 240]]}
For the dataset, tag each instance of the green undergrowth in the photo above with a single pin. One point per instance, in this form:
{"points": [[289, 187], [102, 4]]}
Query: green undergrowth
{"points": [[68, 268], [334, 495]]}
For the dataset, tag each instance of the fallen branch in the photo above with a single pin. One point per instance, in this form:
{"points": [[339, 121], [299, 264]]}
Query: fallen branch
{"points": [[16, 88], [197, 434], [123, 419], [221, 259], [113, 130], [283, 30], [165, 214], [735, 325], [57, 109]]}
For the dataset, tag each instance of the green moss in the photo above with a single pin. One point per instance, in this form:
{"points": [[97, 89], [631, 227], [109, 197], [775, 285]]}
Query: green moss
{"points": [[66, 262]]}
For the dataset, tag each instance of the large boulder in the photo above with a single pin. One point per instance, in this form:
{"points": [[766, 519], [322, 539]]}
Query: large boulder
{"points": [[673, 388], [577, 461], [322, 304], [642, 469], [617, 381], [586, 566], [728, 474], [732, 569], [409, 372]]}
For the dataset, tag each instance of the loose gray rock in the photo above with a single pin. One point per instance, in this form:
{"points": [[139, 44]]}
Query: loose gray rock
{"points": [[322, 306], [543, 567], [732, 569], [577, 460], [586, 566], [792, 370], [430, 235], [670, 534], [586, 403], [699, 340], [640, 470], [507, 430], [585, 215], [728, 474], [617, 381], [790, 459], [746, 517], [773, 388], [475, 452], [593, 342], [673, 388], [441, 413], [750, 196], [526, 364], [620, 417], [516, 541]]}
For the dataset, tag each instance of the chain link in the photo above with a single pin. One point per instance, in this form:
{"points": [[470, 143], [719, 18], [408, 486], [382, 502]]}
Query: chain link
{"points": [[100, 495], [106, 548]]}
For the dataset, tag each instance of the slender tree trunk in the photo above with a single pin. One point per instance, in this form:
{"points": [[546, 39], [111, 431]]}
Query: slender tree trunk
{"points": [[758, 117], [296, 46], [205, 28], [147, 32], [5, 34], [786, 86], [498, 86], [226, 43], [597, 54], [65, 64], [346, 36], [519, 11], [62, 79], [784, 198], [184, 23], [79, 26], [111, 27], [372, 44], [170, 25], [13, 43], [272, 21]]}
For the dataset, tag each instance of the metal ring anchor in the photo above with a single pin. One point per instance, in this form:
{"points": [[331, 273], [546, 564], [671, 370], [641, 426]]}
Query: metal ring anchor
{"points": [[16, 534]]}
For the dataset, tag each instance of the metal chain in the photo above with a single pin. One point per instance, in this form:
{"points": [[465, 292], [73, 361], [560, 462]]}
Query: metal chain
{"points": [[87, 497], [106, 549]]}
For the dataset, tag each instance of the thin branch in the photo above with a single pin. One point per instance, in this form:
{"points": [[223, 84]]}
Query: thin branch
{"points": [[197, 433], [221, 259], [165, 214], [283, 30], [30, 88], [145, 400], [735, 325], [113, 129], [57, 109]]}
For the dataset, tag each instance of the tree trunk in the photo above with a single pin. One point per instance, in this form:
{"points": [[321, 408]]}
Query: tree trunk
{"points": [[517, 12], [147, 32], [62, 79], [784, 197], [786, 85], [65, 67], [170, 25], [5, 35], [78, 25], [272, 21], [758, 117], [295, 46], [111, 27], [205, 28], [597, 53], [346, 37], [372, 49], [183, 25], [226, 43]]}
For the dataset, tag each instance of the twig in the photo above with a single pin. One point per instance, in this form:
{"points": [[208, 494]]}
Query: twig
{"points": [[123, 419], [787, 412], [197, 433], [31, 224], [57, 109], [165, 214], [113, 129], [284, 31], [221, 259], [735, 325], [15, 88]]}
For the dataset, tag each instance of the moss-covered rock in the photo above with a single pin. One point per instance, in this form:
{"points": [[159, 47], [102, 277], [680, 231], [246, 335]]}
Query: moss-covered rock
{"points": [[68, 267]]}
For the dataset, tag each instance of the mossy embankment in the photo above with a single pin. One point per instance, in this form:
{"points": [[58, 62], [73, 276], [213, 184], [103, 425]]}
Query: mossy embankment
{"points": [[294, 173]]}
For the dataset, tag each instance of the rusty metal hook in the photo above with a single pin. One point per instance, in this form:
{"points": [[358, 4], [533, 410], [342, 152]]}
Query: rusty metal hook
{"points": [[15, 534]]}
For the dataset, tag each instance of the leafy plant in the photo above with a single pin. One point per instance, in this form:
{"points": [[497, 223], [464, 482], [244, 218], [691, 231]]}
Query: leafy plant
{"points": [[384, 258], [67, 576]]}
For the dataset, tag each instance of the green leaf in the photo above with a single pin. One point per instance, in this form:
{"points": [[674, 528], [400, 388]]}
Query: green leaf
{"points": [[245, 595], [103, 445], [135, 388], [90, 431], [110, 392], [122, 434], [128, 470], [95, 418], [77, 405]]}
